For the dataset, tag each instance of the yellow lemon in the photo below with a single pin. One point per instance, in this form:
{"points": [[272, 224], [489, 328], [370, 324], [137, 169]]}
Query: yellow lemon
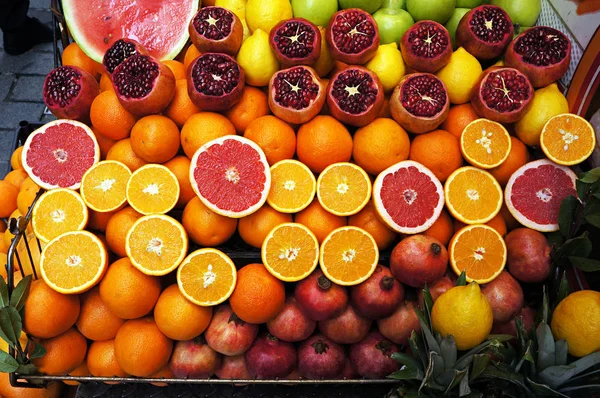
{"points": [[257, 59], [325, 63], [238, 7], [264, 14], [577, 320], [547, 102], [388, 65], [465, 313], [460, 76]]}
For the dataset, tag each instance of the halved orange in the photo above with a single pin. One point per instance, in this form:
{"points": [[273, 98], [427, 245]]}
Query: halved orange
{"points": [[153, 189], [485, 143], [73, 262], [343, 189], [473, 195], [207, 277], [293, 186], [349, 256], [58, 211], [290, 252], [568, 139], [104, 186], [480, 251], [156, 244]]}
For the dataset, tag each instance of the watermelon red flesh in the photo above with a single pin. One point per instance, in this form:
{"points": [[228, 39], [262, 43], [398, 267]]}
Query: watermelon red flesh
{"points": [[161, 26]]}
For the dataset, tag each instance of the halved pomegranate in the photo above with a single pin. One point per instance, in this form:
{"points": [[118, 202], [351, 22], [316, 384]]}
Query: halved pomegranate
{"points": [[216, 29], [296, 95], [296, 41], [502, 95], [485, 31], [352, 36], [69, 92], [355, 96], [426, 46], [215, 82], [542, 53], [119, 52], [143, 85], [420, 102]]}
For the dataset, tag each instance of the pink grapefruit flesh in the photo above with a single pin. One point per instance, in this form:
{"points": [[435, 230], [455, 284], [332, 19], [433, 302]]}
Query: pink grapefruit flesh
{"points": [[58, 154], [535, 191], [408, 197], [231, 176]]}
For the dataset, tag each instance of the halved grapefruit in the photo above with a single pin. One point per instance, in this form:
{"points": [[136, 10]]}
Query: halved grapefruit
{"points": [[231, 176], [58, 154], [408, 197], [535, 191]]}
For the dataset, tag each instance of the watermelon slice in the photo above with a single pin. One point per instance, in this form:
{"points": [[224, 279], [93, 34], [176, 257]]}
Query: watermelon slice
{"points": [[161, 26]]}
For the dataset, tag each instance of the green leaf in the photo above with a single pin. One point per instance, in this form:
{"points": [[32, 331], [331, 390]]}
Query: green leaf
{"points": [[563, 289], [493, 372], [432, 343], [555, 376], [480, 362], [591, 212], [458, 377], [462, 279], [7, 363], [546, 346], [465, 360], [406, 360], [448, 351], [3, 293], [20, 294], [38, 351], [591, 176], [463, 388], [580, 246], [429, 380], [417, 346], [545, 306], [555, 239], [10, 325], [407, 373], [585, 264], [543, 390], [561, 352], [566, 216], [427, 302], [27, 369]]}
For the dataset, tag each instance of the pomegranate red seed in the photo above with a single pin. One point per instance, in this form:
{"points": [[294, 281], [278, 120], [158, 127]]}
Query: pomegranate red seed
{"points": [[295, 39], [505, 90], [542, 46], [295, 88], [63, 84], [353, 32], [215, 74], [427, 40], [423, 95], [213, 22], [117, 53], [489, 24], [354, 91], [136, 76]]}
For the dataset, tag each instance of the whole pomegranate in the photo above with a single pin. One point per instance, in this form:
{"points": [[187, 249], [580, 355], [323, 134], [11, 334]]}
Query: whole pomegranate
{"points": [[291, 324], [418, 259], [320, 298], [526, 315], [69, 91], [348, 373], [194, 359], [233, 367], [399, 326], [378, 296], [320, 358], [228, 334], [347, 328], [437, 288], [505, 296], [270, 358], [528, 255], [372, 357]]}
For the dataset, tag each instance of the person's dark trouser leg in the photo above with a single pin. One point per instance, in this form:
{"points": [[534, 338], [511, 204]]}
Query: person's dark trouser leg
{"points": [[13, 14], [21, 32]]}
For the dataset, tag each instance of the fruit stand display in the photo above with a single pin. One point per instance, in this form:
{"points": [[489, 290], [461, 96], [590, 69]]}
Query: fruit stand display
{"points": [[349, 198]]}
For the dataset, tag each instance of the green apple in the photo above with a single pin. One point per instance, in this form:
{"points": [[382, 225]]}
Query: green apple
{"points": [[318, 12], [369, 6], [468, 3], [452, 23], [392, 24], [522, 12], [397, 4], [435, 10]]}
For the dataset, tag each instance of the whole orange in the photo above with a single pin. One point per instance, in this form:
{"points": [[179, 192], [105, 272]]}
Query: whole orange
{"points": [[53, 390], [64, 353], [178, 318], [16, 178], [98, 221], [127, 292], [155, 139], [104, 143], [74, 55], [385, 109], [379, 145], [442, 229], [437, 150], [509, 220], [319, 221], [323, 141], [498, 224], [203, 127], [27, 195], [254, 228], [204, 226], [8, 198], [105, 83], [117, 228], [253, 105], [274, 136], [369, 220], [16, 161], [178, 68], [517, 157], [165, 373], [181, 107], [140, 347], [101, 360], [191, 53], [258, 296], [109, 117], [96, 321], [123, 152], [180, 166], [458, 118], [49, 313], [81, 370]]}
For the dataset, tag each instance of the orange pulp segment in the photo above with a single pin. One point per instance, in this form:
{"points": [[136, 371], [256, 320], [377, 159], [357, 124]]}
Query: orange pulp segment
{"points": [[568, 139], [472, 195], [153, 189], [104, 186], [343, 189], [293, 186], [58, 211], [485, 144]]}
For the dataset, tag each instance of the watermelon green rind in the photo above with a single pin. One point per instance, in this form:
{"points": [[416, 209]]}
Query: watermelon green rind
{"points": [[163, 39]]}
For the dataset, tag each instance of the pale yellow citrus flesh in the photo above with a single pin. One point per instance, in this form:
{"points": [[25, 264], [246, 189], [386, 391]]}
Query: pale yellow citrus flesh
{"points": [[472, 195], [104, 186], [58, 211], [343, 189], [153, 189], [293, 186], [568, 139], [485, 144]]}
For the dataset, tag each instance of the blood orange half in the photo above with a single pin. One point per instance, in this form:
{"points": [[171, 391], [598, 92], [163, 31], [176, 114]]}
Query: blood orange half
{"points": [[408, 197], [535, 191], [231, 176], [58, 154]]}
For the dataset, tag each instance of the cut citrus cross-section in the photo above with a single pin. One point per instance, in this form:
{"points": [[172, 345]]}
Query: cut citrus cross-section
{"points": [[56, 212], [293, 186], [472, 195], [349, 256], [104, 186], [207, 277], [568, 139], [153, 189], [156, 244], [343, 189], [478, 250], [485, 143], [290, 252], [73, 262]]}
